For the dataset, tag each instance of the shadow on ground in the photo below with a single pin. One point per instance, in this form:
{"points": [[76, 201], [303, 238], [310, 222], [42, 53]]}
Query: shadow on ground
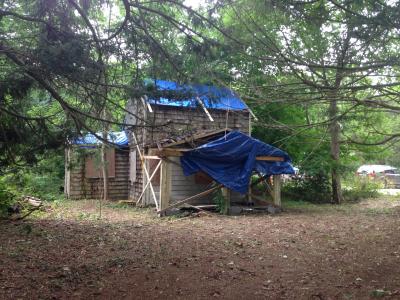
{"points": [[67, 253]]}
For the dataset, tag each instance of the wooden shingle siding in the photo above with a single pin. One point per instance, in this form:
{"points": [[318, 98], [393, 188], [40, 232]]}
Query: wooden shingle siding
{"points": [[92, 188], [183, 120]]}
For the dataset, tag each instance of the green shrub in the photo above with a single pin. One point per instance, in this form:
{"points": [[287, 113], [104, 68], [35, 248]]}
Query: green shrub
{"points": [[6, 199], [44, 180], [219, 200], [356, 188], [315, 188], [44, 186]]}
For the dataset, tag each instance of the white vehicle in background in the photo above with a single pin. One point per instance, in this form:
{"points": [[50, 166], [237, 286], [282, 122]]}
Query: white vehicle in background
{"points": [[287, 177], [387, 174]]}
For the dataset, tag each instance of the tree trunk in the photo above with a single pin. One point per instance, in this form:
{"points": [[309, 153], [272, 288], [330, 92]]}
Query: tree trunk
{"points": [[334, 129]]}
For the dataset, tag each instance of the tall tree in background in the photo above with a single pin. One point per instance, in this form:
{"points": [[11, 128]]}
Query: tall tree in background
{"points": [[340, 56]]}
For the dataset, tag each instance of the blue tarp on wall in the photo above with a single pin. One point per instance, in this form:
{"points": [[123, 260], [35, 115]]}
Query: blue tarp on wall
{"points": [[211, 96], [231, 159], [118, 138]]}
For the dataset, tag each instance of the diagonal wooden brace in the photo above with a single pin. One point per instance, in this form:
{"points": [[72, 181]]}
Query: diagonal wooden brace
{"points": [[145, 171], [149, 181]]}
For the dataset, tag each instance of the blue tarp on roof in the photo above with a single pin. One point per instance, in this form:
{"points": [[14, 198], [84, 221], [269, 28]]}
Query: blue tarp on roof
{"points": [[117, 137], [211, 96], [231, 159]]}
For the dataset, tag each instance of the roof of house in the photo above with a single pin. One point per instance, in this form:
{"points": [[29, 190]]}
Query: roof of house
{"points": [[188, 95], [118, 138]]}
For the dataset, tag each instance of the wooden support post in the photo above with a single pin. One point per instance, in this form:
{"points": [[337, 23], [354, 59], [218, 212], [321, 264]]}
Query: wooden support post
{"points": [[249, 196], [165, 184], [249, 200], [226, 193], [277, 189]]}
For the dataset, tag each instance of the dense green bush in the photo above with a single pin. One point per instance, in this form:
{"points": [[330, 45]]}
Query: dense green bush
{"points": [[219, 200], [315, 188], [356, 188], [44, 180], [6, 199]]}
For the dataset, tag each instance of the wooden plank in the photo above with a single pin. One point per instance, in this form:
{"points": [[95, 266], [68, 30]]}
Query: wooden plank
{"points": [[151, 157], [206, 206], [277, 189], [145, 169], [165, 152], [270, 158], [202, 194], [205, 109], [148, 182], [148, 104], [252, 114], [165, 184], [258, 198], [226, 193], [153, 152]]}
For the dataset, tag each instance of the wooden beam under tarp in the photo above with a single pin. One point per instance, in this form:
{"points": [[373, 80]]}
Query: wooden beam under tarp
{"points": [[179, 152], [167, 152], [270, 158]]}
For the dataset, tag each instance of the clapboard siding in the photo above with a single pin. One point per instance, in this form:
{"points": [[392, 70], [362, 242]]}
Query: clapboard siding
{"points": [[91, 188]]}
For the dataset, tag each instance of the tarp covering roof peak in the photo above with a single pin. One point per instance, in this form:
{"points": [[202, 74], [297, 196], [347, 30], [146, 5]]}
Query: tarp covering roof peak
{"points": [[187, 95]]}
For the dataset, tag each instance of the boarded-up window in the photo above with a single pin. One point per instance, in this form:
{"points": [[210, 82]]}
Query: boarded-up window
{"points": [[202, 178], [93, 164]]}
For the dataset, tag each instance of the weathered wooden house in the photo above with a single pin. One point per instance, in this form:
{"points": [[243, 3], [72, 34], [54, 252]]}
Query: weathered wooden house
{"points": [[178, 114], [163, 127]]}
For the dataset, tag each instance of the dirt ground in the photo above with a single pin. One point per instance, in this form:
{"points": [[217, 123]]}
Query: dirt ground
{"points": [[307, 252]]}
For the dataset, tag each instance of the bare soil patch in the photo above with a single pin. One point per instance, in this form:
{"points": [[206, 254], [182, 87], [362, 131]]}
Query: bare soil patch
{"points": [[307, 252]]}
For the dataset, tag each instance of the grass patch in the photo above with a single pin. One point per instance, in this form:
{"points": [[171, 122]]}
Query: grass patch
{"points": [[304, 207], [89, 211]]}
